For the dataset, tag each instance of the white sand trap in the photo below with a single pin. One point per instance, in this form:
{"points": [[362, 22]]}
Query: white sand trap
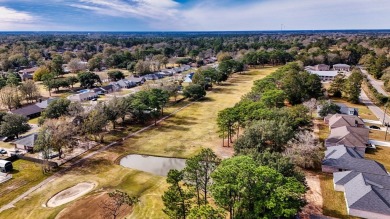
{"points": [[70, 194]]}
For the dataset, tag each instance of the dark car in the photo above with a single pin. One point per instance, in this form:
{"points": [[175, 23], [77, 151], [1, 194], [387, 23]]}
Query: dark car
{"points": [[8, 139], [2, 151], [374, 127]]}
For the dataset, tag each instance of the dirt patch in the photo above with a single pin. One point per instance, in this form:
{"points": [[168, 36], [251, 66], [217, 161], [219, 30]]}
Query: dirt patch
{"points": [[313, 196], [70, 194], [90, 208]]}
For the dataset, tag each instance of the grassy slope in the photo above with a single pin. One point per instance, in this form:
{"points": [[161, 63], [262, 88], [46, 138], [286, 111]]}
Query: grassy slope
{"points": [[180, 136]]}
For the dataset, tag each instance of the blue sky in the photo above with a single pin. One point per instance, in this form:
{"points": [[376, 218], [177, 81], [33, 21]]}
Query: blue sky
{"points": [[192, 15]]}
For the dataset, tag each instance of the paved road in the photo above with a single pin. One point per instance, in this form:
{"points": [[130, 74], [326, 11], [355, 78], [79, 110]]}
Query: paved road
{"points": [[377, 84], [378, 112], [62, 172]]}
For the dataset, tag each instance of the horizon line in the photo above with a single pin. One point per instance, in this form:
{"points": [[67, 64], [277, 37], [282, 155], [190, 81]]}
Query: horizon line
{"points": [[184, 31]]}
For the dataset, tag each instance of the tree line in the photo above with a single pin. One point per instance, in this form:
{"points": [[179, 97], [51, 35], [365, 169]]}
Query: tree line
{"points": [[263, 179]]}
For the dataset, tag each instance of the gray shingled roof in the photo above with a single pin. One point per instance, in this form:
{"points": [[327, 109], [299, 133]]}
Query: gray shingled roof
{"points": [[136, 80], [380, 181], [27, 110], [28, 140], [348, 159], [362, 196], [339, 151], [45, 103], [357, 164]]}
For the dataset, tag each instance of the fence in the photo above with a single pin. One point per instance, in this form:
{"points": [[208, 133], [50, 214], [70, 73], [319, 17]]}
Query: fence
{"points": [[36, 160]]}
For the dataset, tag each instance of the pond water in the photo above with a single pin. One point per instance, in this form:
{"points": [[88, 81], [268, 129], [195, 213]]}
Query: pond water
{"points": [[151, 164]]}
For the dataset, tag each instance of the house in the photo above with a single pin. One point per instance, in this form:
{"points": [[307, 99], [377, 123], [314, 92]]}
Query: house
{"points": [[26, 143], [124, 83], [45, 103], [99, 90], [150, 77], [367, 195], [30, 111], [5, 166], [341, 67], [168, 72], [27, 74], [189, 77], [110, 88], [185, 67], [83, 95], [353, 137], [341, 158], [137, 80], [325, 75], [339, 120], [348, 110]]}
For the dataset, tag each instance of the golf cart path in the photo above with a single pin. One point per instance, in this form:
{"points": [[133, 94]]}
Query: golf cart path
{"points": [[60, 173]]}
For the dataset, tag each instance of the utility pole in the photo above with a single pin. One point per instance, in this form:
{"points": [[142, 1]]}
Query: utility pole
{"points": [[384, 114], [384, 117]]}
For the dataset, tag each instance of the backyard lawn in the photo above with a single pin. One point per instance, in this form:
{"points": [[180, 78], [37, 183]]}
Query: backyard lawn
{"points": [[182, 135], [381, 154], [333, 201], [364, 112]]}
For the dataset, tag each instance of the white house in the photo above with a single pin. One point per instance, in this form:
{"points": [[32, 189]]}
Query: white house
{"points": [[325, 75], [341, 67], [83, 95]]}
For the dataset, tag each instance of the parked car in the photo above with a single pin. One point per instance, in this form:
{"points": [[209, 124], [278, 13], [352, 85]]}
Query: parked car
{"points": [[8, 139], [2, 151], [374, 127], [14, 152]]}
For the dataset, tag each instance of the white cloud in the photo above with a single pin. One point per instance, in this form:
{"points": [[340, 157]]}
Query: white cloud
{"points": [[14, 20], [149, 9], [11, 19], [270, 14]]}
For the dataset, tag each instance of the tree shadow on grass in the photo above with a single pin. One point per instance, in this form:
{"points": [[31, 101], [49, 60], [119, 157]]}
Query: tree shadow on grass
{"points": [[222, 90], [373, 151], [172, 128], [206, 99]]}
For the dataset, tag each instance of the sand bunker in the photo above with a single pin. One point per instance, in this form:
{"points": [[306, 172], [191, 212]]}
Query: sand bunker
{"points": [[70, 194]]}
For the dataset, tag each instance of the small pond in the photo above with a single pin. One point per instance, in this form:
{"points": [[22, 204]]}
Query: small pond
{"points": [[155, 165]]}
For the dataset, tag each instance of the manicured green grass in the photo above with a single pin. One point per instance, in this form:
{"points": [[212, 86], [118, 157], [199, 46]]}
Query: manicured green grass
{"points": [[179, 136], [333, 201], [34, 121], [364, 111], [25, 175]]}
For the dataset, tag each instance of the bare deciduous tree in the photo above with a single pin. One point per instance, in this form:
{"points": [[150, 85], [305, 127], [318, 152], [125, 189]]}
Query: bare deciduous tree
{"points": [[9, 97], [311, 105], [305, 150], [29, 91]]}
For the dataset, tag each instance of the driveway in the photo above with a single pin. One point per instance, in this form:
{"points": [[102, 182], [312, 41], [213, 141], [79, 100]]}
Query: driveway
{"points": [[379, 143], [377, 84]]}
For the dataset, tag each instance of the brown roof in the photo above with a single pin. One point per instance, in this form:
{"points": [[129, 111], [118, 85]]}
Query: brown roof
{"points": [[348, 136], [29, 70], [339, 120]]}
